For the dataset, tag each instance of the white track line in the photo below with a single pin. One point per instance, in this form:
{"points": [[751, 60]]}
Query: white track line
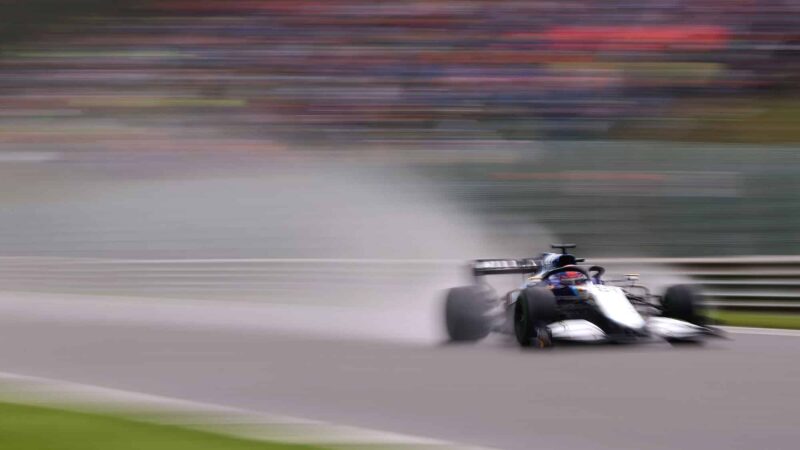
{"points": [[762, 331], [203, 416]]}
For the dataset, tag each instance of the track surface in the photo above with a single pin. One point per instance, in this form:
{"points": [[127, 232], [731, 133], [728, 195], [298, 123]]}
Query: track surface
{"points": [[728, 394]]}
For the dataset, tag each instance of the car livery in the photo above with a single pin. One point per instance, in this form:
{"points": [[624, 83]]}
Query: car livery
{"points": [[561, 300]]}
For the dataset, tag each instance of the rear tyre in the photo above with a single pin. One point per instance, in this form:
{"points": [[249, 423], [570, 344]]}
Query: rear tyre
{"points": [[682, 302], [534, 310], [466, 313]]}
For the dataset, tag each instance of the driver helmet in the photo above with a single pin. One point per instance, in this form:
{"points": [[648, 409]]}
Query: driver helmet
{"points": [[571, 278]]}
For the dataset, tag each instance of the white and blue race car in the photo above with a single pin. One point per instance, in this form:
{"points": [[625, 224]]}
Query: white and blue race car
{"points": [[561, 300]]}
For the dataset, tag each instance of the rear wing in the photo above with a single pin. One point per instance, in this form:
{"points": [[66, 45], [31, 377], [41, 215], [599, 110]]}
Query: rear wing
{"points": [[503, 266]]}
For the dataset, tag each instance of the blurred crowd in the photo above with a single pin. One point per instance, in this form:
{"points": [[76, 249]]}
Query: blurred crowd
{"points": [[349, 70]]}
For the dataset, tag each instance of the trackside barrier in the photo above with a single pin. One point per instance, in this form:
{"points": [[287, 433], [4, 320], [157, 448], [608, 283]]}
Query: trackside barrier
{"points": [[745, 282], [738, 283]]}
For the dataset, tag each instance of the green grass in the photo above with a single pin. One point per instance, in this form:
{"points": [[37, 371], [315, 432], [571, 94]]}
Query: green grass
{"points": [[757, 319], [25, 427], [765, 119]]}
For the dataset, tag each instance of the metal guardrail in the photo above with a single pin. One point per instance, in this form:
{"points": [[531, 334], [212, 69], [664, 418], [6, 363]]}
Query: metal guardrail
{"points": [[748, 282], [740, 283], [309, 281]]}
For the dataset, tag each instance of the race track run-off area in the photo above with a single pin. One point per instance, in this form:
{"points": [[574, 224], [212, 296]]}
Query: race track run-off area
{"points": [[733, 393]]}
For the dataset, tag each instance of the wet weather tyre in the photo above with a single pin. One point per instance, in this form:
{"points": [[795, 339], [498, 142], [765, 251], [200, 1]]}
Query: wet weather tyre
{"points": [[466, 311], [533, 311], [682, 302]]}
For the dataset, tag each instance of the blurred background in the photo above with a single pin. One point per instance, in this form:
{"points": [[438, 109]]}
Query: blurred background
{"points": [[258, 203], [433, 130]]}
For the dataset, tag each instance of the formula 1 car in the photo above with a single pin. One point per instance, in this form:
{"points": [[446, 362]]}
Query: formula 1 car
{"points": [[561, 300]]}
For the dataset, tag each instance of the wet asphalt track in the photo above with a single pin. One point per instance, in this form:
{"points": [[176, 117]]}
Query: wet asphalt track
{"points": [[741, 393]]}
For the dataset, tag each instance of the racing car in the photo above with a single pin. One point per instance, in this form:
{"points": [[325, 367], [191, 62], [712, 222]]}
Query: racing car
{"points": [[563, 300]]}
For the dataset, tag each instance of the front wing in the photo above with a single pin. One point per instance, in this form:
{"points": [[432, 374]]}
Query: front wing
{"points": [[658, 327]]}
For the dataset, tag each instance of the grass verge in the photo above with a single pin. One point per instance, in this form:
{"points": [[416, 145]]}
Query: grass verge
{"points": [[25, 427], [757, 319]]}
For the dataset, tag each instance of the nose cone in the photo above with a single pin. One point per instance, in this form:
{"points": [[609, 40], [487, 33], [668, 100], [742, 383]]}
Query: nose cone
{"points": [[615, 306]]}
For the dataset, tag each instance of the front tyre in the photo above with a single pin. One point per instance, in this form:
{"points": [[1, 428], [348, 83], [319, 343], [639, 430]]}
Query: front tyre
{"points": [[533, 311], [466, 313], [683, 303]]}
